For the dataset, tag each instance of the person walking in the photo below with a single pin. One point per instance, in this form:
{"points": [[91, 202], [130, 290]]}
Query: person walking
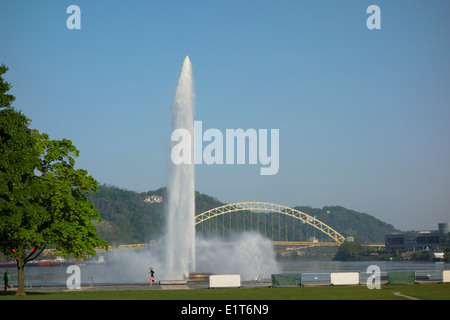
{"points": [[6, 279]]}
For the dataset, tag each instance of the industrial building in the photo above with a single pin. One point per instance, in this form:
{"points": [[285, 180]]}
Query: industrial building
{"points": [[419, 240]]}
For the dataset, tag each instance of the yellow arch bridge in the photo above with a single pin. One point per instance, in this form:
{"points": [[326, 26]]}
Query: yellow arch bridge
{"points": [[336, 237]]}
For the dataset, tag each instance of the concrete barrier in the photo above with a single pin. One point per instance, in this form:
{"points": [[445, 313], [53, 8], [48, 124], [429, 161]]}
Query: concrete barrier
{"points": [[172, 282], [446, 276], [344, 278], [225, 281], [173, 285]]}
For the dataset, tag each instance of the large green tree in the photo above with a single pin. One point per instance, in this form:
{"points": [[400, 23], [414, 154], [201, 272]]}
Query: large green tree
{"points": [[43, 198]]}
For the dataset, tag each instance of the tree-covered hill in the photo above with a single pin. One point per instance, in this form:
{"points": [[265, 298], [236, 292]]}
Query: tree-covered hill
{"points": [[133, 217]]}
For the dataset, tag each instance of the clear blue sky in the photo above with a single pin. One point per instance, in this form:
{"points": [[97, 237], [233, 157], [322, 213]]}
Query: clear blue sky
{"points": [[364, 115]]}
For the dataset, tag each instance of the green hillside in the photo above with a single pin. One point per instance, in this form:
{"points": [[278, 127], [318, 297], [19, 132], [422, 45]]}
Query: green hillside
{"points": [[132, 217], [128, 218], [362, 226]]}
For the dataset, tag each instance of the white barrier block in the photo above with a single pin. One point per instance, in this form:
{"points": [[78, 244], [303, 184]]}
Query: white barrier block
{"points": [[225, 281], [344, 278], [446, 276]]}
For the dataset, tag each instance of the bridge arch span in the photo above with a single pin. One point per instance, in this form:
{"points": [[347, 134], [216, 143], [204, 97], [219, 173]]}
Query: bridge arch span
{"points": [[270, 207]]}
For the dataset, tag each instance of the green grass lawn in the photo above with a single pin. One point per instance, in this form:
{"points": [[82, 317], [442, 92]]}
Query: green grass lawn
{"points": [[426, 292]]}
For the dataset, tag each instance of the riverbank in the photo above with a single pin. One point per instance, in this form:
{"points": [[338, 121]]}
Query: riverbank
{"points": [[355, 251]]}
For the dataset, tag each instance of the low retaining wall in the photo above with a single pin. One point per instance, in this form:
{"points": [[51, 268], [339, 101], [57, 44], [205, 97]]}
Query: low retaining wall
{"points": [[172, 282], [173, 285]]}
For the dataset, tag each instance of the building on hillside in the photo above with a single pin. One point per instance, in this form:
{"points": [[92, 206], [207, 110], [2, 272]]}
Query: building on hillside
{"points": [[154, 199]]}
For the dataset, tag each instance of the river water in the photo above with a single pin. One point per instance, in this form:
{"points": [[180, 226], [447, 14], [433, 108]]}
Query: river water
{"points": [[311, 270]]}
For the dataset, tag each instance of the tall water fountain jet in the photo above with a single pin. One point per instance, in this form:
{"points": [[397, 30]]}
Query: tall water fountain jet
{"points": [[180, 242]]}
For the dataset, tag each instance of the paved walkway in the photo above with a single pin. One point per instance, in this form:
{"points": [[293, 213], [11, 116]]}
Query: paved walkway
{"points": [[405, 296], [119, 287]]}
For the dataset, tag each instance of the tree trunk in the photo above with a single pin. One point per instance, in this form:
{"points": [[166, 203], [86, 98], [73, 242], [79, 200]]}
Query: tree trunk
{"points": [[20, 277]]}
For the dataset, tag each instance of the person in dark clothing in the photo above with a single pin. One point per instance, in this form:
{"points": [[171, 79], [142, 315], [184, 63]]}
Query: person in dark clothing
{"points": [[6, 279], [152, 276]]}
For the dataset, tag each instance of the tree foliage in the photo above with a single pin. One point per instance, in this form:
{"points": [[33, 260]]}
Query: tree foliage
{"points": [[43, 198], [70, 230], [22, 214], [350, 251]]}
